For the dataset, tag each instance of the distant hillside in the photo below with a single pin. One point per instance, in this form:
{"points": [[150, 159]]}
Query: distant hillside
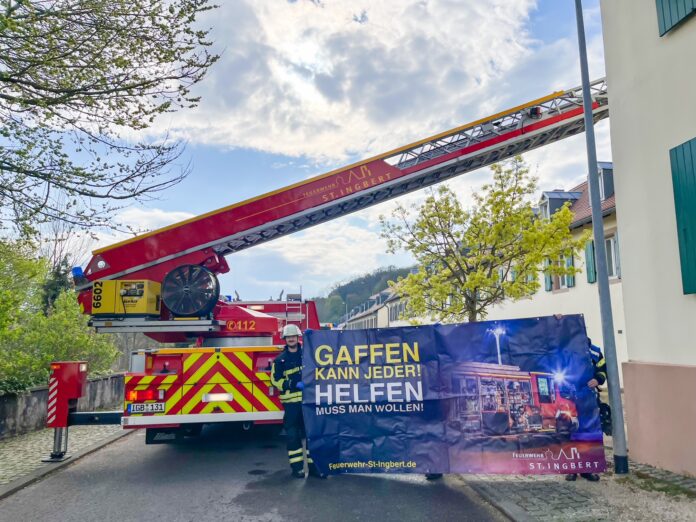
{"points": [[355, 292]]}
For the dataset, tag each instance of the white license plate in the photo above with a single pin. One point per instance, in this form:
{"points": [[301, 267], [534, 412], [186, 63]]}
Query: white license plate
{"points": [[147, 407]]}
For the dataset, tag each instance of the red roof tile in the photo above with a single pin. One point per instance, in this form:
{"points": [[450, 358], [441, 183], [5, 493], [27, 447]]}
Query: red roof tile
{"points": [[581, 208]]}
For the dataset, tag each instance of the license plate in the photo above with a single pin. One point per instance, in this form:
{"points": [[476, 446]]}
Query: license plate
{"points": [[147, 407]]}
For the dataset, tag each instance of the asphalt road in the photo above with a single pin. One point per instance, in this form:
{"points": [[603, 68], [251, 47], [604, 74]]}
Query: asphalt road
{"points": [[233, 476]]}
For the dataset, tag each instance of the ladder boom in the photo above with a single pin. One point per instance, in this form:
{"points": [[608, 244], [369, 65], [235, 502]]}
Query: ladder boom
{"points": [[206, 239]]}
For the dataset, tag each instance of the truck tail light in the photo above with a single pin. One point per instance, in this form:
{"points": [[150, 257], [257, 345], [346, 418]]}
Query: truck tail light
{"points": [[142, 395]]}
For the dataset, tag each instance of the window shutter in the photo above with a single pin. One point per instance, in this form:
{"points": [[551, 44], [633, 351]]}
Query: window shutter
{"points": [[590, 266], [672, 12], [548, 283], [683, 160], [570, 279]]}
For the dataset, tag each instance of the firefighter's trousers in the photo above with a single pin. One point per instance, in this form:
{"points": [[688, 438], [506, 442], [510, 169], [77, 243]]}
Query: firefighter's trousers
{"points": [[295, 432]]}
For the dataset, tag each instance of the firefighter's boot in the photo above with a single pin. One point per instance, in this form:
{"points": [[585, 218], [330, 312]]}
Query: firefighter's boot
{"points": [[296, 462], [313, 470]]}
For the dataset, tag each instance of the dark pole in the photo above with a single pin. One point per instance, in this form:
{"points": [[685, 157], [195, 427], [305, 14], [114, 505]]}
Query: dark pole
{"points": [[619, 434]]}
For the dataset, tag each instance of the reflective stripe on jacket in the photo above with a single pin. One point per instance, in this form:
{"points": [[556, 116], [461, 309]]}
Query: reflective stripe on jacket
{"points": [[286, 372]]}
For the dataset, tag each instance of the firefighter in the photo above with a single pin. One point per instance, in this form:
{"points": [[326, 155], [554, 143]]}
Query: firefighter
{"points": [[286, 376], [599, 378]]}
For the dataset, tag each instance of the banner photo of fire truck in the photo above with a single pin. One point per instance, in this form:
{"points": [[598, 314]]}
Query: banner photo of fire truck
{"points": [[488, 397]]}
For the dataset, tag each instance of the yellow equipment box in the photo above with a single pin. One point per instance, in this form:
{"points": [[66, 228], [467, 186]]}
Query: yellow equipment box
{"points": [[119, 298]]}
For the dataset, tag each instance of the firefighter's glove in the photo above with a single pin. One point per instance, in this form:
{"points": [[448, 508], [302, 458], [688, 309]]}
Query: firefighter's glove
{"points": [[299, 385]]}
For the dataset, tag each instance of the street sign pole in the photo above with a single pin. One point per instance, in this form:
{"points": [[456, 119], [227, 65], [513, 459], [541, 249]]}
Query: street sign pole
{"points": [[619, 433]]}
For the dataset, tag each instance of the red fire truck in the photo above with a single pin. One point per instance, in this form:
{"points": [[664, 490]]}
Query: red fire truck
{"points": [[164, 283], [496, 399]]}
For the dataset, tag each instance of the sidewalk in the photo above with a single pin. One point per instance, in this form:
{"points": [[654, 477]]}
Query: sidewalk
{"points": [[646, 493], [21, 455]]}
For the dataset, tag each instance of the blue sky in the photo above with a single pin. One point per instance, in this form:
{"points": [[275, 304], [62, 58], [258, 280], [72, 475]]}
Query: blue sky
{"points": [[306, 86]]}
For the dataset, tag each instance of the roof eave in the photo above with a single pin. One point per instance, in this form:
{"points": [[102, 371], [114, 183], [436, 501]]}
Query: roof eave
{"points": [[584, 221]]}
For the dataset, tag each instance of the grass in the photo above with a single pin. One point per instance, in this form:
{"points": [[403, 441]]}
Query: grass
{"points": [[648, 483]]}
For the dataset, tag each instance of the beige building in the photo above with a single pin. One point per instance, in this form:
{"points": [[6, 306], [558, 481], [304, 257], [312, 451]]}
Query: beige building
{"points": [[382, 310], [579, 294], [650, 54]]}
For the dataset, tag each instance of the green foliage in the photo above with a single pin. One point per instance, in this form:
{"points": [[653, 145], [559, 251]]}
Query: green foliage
{"points": [[19, 274], [469, 260], [57, 282], [78, 80], [31, 336], [355, 292]]}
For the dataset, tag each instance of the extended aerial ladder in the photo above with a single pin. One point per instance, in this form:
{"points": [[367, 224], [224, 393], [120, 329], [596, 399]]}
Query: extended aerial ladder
{"points": [[205, 240]]}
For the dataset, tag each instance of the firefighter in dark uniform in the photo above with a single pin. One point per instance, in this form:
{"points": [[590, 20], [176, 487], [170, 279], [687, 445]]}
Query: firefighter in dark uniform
{"points": [[286, 376], [599, 377]]}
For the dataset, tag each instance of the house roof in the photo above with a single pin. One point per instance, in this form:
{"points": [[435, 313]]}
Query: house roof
{"points": [[582, 212], [392, 296]]}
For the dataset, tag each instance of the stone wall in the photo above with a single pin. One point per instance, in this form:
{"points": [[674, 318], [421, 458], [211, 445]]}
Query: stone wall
{"points": [[27, 412]]}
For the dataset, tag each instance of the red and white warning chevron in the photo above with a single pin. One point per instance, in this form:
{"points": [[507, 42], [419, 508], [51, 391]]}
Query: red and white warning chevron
{"points": [[52, 401]]}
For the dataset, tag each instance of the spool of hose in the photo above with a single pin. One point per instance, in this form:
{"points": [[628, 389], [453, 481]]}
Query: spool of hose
{"points": [[190, 291]]}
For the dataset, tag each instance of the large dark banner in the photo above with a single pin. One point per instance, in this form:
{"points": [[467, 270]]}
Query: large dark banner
{"points": [[488, 397]]}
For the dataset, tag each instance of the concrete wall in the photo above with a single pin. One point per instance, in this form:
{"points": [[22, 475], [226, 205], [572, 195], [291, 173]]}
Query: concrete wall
{"points": [[652, 106], [27, 412]]}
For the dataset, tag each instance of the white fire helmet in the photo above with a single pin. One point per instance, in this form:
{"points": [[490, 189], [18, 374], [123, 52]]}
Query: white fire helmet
{"points": [[289, 330]]}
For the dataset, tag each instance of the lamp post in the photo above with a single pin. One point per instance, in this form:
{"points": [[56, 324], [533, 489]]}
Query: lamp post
{"points": [[497, 332], [619, 434]]}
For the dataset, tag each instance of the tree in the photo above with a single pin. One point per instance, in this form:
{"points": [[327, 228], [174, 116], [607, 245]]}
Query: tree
{"points": [[21, 276], [470, 260], [78, 80], [62, 246], [27, 350], [31, 336]]}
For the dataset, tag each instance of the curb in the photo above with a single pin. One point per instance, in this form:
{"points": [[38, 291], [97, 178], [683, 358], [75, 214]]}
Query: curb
{"points": [[509, 509], [20, 483]]}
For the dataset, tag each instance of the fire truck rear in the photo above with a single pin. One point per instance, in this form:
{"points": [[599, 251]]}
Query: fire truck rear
{"points": [[218, 369]]}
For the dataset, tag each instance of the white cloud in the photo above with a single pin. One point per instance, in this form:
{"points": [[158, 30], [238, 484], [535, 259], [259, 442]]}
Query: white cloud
{"points": [[298, 78], [335, 80], [139, 220]]}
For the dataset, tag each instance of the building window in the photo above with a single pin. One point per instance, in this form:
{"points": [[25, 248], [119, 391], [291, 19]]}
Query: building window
{"points": [[613, 264], [558, 282], [566, 281], [544, 209], [396, 310], [611, 244], [670, 13]]}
